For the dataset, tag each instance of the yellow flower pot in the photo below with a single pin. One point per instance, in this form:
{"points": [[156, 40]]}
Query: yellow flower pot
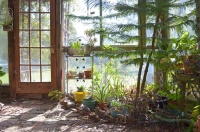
{"points": [[79, 96]]}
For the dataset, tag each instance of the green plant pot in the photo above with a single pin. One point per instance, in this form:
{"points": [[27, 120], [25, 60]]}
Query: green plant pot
{"points": [[89, 102], [116, 112]]}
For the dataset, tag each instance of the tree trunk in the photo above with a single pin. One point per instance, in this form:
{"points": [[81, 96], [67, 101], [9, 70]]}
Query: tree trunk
{"points": [[198, 22], [142, 43], [150, 55]]}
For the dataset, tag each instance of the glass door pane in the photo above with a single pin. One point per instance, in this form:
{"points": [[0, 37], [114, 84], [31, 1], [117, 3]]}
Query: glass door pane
{"points": [[34, 36]]}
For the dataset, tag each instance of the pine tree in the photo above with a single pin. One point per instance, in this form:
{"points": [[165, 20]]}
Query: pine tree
{"points": [[153, 15]]}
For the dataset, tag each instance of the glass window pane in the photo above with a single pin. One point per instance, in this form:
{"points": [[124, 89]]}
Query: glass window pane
{"points": [[45, 38], [23, 6], [24, 55], [45, 5], [24, 38], [24, 74], [35, 55], [45, 21], [34, 39], [45, 56], [75, 28], [46, 74], [4, 56], [23, 21], [34, 21], [34, 5], [182, 12], [35, 73], [112, 69]]}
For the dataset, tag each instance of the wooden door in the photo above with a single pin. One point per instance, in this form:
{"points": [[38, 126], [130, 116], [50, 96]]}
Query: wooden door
{"points": [[35, 57]]}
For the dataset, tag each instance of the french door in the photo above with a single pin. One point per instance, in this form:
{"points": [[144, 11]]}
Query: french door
{"points": [[35, 58]]}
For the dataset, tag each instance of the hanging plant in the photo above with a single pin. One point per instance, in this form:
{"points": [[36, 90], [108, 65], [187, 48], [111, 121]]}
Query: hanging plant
{"points": [[6, 17]]}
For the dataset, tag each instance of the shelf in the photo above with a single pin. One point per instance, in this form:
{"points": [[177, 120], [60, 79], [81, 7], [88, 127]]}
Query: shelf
{"points": [[78, 71], [77, 78], [78, 55]]}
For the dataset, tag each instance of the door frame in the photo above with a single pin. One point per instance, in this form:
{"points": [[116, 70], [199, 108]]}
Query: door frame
{"points": [[40, 88]]}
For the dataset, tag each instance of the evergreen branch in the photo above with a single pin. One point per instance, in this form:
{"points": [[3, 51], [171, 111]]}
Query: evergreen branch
{"points": [[84, 18], [172, 120]]}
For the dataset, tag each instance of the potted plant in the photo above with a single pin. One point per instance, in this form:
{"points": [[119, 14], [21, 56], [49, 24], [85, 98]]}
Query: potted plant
{"points": [[6, 16], [88, 73], [89, 102], [100, 94], [87, 48], [81, 74], [80, 93], [1, 74], [118, 108], [71, 74], [74, 48], [185, 50], [55, 95]]}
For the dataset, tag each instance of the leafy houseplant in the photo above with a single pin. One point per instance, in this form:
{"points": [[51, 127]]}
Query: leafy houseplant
{"points": [[118, 108], [100, 94], [75, 48], [81, 89], [1, 74], [6, 16], [55, 95], [87, 48], [185, 50]]}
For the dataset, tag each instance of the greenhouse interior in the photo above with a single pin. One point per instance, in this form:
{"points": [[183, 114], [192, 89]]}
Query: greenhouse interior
{"points": [[100, 65]]}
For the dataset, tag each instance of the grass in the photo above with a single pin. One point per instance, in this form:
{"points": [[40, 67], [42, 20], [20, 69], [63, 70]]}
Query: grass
{"points": [[5, 79]]}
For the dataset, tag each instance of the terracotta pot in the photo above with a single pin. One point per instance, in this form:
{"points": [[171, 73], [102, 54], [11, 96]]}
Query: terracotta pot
{"points": [[103, 106], [81, 75], [190, 64], [7, 27], [173, 102], [87, 74]]}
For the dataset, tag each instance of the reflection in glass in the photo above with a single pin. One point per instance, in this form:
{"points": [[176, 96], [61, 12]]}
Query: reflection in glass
{"points": [[45, 56], [35, 74], [35, 55], [34, 21], [24, 74], [46, 74], [34, 5], [45, 21], [45, 38], [24, 56], [24, 38], [45, 5], [23, 21], [23, 6], [34, 39]]}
